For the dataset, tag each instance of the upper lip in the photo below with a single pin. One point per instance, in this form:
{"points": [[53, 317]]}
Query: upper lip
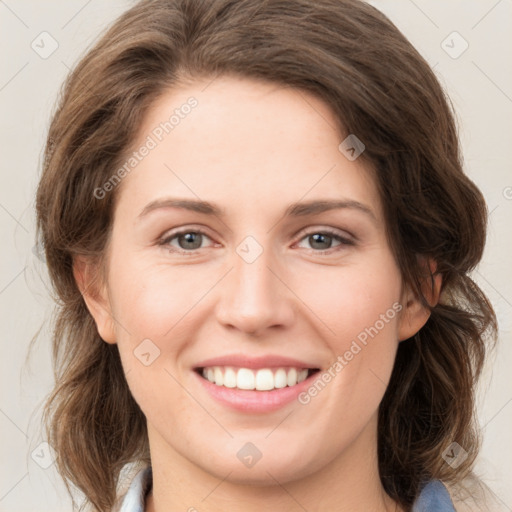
{"points": [[244, 361]]}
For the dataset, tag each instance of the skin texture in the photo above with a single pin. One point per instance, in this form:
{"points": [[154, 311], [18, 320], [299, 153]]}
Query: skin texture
{"points": [[253, 148]]}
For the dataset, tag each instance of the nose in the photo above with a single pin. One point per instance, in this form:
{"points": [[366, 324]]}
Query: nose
{"points": [[255, 296]]}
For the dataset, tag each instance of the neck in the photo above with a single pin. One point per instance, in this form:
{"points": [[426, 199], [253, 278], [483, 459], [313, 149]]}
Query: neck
{"points": [[350, 482]]}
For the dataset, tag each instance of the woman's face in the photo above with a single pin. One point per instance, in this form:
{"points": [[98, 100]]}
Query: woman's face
{"points": [[262, 292]]}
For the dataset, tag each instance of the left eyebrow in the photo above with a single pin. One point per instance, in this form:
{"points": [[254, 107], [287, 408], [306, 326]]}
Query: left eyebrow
{"points": [[312, 207], [319, 206]]}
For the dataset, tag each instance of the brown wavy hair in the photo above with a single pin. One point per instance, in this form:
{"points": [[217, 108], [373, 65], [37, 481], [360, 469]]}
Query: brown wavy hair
{"points": [[349, 55]]}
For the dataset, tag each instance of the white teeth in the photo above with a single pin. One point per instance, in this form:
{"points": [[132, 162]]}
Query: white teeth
{"points": [[292, 377], [244, 379], [230, 378], [219, 376], [280, 379], [264, 379], [302, 375]]}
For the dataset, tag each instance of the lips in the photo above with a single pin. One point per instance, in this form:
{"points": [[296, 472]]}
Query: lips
{"points": [[264, 373], [267, 361]]}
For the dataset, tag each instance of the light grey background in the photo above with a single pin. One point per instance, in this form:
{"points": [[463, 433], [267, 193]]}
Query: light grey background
{"points": [[479, 82]]}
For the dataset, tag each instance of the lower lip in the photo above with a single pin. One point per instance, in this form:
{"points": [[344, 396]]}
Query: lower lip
{"points": [[255, 401]]}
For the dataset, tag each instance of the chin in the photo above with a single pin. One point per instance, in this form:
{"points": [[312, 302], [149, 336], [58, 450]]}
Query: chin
{"points": [[267, 471]]}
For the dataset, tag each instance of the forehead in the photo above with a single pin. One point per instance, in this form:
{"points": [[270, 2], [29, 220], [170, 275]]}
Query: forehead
{"points": [[244, 142]]}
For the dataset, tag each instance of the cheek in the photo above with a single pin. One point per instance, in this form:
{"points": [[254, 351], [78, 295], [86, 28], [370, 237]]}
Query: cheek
{"points": [[351, 304], [156, 312], [155, 299], [361, 311]]}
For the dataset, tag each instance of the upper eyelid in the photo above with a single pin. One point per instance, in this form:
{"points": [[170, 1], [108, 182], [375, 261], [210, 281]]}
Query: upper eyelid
{"points": [[180, 231], [342, 234]]}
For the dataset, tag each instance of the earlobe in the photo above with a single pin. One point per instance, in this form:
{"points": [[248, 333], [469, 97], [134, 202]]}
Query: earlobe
{"points": [[415, 314], [413, 317], [95, 296]]}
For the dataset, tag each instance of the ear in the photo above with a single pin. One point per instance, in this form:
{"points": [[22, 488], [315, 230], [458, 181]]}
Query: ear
{"points": [[414, 314], [95, 296]]}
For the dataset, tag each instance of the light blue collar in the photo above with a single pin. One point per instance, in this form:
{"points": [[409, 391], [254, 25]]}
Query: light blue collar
{"points": [[434, 496]]}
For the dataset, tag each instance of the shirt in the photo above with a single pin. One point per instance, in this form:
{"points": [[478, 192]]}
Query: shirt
{"points": [[434, 496]]}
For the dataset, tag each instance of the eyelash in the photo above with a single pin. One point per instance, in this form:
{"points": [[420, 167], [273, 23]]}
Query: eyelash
{"points": [[165, 241]]}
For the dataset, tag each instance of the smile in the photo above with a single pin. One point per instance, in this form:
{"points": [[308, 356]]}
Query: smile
{"points": [[262, 379], [257, 384]]}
